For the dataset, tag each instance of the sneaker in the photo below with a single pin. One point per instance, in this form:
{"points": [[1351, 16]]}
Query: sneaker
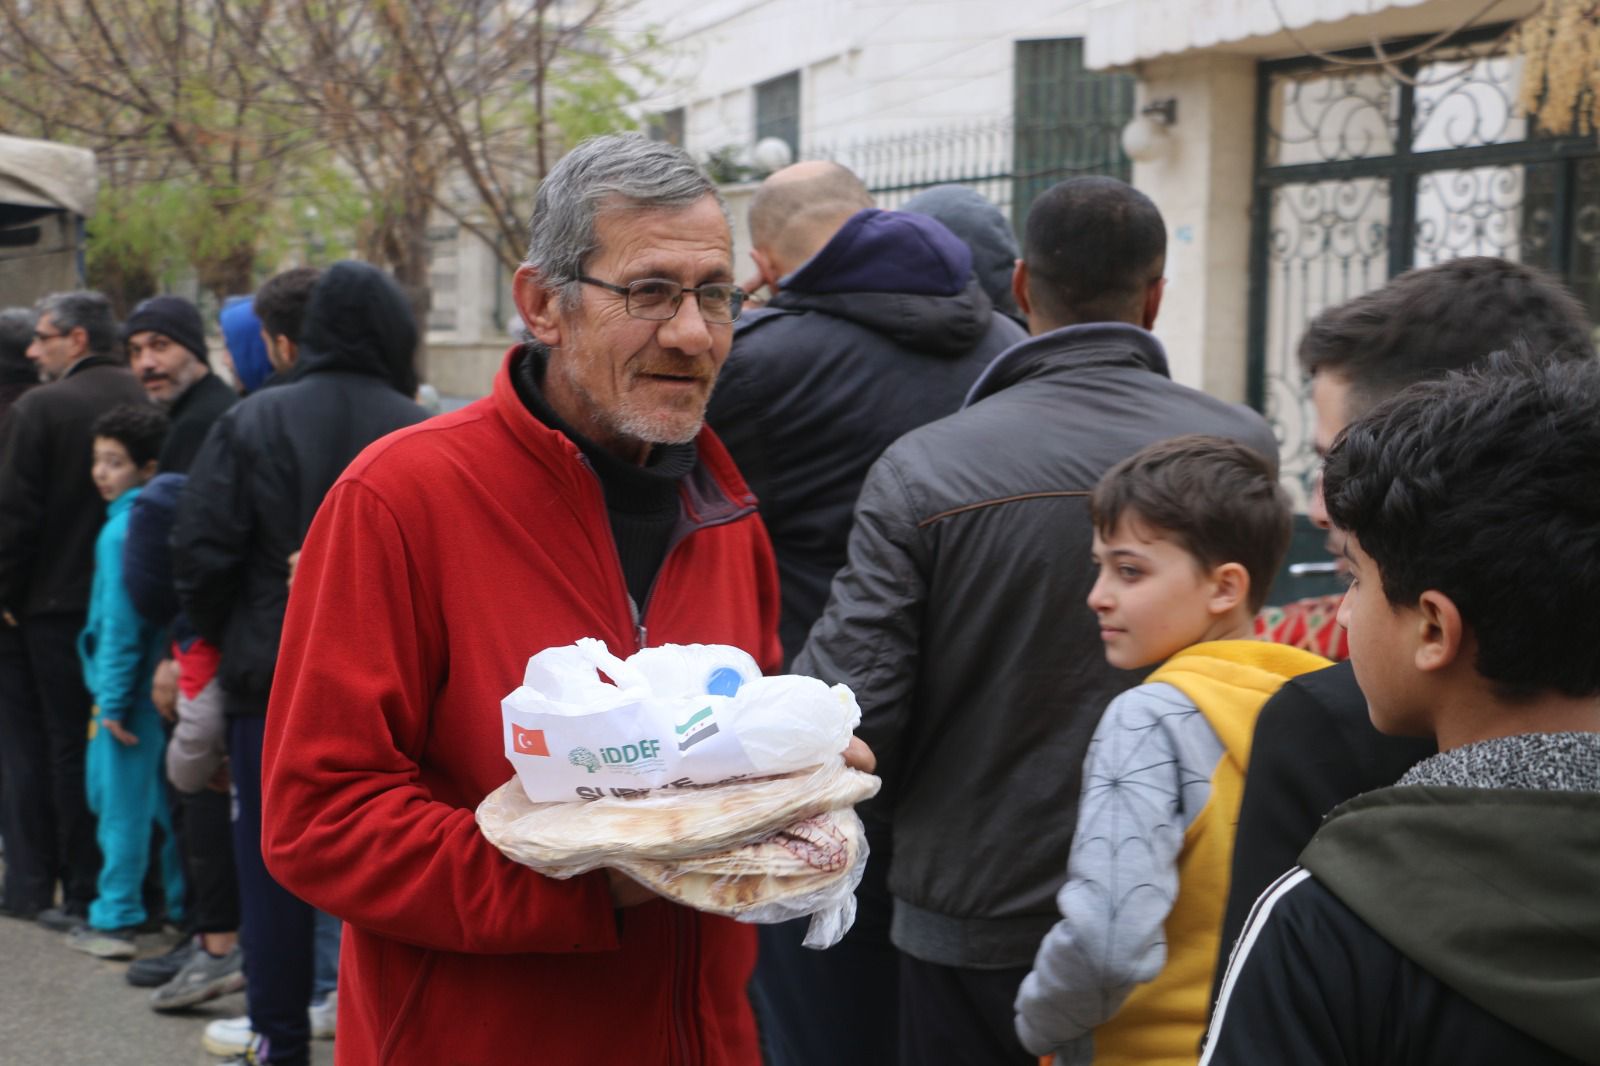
{"points": [[159, 969], [104, 943], [229, 1036], [63, 919], [323, 1016], [205, 976], [250, 1056]]}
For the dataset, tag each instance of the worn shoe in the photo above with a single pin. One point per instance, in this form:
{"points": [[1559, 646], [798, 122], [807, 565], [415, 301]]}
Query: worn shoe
{"points": [[229, 1036], [250, 1056], [63, 919], [104, 943], [323, 1015], [159, 969], [204, 976]]}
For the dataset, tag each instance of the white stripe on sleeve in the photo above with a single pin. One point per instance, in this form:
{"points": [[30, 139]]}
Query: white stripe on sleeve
{"points": [[1259, 914]]}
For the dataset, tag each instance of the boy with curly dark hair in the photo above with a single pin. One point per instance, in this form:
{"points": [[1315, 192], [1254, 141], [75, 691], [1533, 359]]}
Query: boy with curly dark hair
{"points": [[1451, 919]]}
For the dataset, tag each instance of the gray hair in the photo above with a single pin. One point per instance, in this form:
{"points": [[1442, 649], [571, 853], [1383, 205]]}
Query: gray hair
{"points": [[16, 334], [612, 172], [84, 309]]}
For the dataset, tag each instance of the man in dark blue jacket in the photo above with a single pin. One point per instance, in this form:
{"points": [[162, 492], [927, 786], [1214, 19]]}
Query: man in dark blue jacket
{"points": [[877, 325], [250, 498]]}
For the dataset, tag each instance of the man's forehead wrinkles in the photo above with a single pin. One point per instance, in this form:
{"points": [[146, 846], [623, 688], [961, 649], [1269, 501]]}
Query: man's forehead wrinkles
{"points": [[656, 266]]}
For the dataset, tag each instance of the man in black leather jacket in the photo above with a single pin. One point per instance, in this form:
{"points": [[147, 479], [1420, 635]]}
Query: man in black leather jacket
{"points": [[960, 620]]}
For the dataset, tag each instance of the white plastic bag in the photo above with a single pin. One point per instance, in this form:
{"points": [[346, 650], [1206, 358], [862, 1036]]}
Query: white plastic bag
{"points": [[669, 717]]}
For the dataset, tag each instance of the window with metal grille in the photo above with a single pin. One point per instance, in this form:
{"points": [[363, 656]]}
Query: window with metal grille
{"points": [[778, 110], [1067, 120]]}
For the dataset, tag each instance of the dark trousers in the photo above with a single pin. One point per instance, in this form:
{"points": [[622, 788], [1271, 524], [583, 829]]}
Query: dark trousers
{"points": [[207, 833], [44, 732], [278, 927], [951, 1016], [839, 1006]]}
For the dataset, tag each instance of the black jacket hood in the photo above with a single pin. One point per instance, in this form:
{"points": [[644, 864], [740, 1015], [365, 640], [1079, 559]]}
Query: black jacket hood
{"points": [[360, 322]]}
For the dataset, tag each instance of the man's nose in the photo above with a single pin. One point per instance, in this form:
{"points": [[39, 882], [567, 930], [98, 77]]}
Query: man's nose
{"points": [[687, 331]]}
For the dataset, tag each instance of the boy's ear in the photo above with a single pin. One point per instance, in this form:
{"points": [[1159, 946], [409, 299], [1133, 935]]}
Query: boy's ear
{"points": [[147, 470], [1230, 588], [1440, 631]]}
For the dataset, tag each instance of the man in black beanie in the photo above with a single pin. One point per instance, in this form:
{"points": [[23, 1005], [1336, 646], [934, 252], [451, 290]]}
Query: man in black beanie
{"points": [[166, 342]]}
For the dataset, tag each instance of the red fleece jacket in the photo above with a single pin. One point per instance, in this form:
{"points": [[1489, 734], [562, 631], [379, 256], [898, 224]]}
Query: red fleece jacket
{"points": [[446, 555]]}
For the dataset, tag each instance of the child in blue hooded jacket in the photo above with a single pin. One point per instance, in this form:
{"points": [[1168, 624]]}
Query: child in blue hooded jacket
{"points": [[119, 649]]}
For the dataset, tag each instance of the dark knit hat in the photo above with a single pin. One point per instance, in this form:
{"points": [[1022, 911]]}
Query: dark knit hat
{"points": [[172, 316]]}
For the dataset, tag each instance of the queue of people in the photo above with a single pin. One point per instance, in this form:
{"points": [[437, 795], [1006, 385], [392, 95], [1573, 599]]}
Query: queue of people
{"points": [[1129, 814], [203, 498]]}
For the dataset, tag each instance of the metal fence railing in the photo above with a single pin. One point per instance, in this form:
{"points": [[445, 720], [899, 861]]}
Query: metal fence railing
{"points": [[1006, 163]]}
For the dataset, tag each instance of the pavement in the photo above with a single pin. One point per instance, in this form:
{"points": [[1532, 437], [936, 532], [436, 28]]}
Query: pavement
{"points": [[61, 1006]]}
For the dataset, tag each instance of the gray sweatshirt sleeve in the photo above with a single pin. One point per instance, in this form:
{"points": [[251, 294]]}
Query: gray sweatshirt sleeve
{"points": [[199, 743], [1147, 774]]}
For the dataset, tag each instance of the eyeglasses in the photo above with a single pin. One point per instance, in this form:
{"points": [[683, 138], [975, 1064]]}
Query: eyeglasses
{"points": [[42, 337], [657, 299]]}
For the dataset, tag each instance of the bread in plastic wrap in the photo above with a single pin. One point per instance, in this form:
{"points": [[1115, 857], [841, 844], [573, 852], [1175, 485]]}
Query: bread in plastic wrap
{"points": [[760, 850]]}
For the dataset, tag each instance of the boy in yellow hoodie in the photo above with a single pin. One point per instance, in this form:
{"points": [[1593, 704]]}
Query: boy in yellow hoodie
{"points": [[1188, 534]]}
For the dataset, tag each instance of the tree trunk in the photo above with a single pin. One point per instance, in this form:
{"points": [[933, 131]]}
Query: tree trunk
{"points": [[231, 274], [123, 285]]}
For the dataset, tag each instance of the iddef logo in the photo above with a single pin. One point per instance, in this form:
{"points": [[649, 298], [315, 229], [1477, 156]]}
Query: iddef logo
{"points": [[631, 753]]}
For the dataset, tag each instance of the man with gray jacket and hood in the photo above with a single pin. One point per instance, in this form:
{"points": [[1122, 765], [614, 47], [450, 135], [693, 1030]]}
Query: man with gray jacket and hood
{"points": [[249, 500], [959, 620], [877, 326]]}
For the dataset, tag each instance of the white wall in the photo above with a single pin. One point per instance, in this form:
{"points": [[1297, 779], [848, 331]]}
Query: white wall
{"points": [[1202, 184], [868, 68], [1124, 32]]}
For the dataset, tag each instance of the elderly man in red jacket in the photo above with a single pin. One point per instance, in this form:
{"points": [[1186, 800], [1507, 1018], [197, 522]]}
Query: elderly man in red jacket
{"points": [[582, 498]]}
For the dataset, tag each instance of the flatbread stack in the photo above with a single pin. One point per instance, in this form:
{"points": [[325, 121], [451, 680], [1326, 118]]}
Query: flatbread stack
{"points": [[765, 850], [780, 872]]}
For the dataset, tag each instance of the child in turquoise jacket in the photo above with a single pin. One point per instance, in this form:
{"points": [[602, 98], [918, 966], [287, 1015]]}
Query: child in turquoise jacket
{"points": [[119, 649]]}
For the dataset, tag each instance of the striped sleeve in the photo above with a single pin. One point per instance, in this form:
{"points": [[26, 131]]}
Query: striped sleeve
{"points": [[1282, 1000]]}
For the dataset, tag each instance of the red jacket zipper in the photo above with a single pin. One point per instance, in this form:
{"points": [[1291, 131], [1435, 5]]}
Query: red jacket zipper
{"points": [[685, 928]]}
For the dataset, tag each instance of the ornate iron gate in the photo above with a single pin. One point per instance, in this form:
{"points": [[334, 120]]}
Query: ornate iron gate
{"points": [[1361, 175]]}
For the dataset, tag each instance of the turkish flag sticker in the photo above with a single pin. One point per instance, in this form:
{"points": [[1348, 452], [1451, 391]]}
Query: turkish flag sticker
{"points": [[529, 741]]}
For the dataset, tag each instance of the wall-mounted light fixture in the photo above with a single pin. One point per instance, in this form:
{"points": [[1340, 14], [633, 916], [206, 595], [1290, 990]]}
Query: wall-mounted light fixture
{"points": [[1145, 139], [770, 154], [1162, 111]]}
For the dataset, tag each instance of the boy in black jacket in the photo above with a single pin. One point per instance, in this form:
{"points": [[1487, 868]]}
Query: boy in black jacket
{"points": [[1450, 919]]}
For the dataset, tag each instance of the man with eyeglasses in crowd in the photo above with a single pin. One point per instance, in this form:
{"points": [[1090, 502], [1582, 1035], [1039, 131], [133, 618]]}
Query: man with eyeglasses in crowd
{"points": [[582, 498], [50, 513]]}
